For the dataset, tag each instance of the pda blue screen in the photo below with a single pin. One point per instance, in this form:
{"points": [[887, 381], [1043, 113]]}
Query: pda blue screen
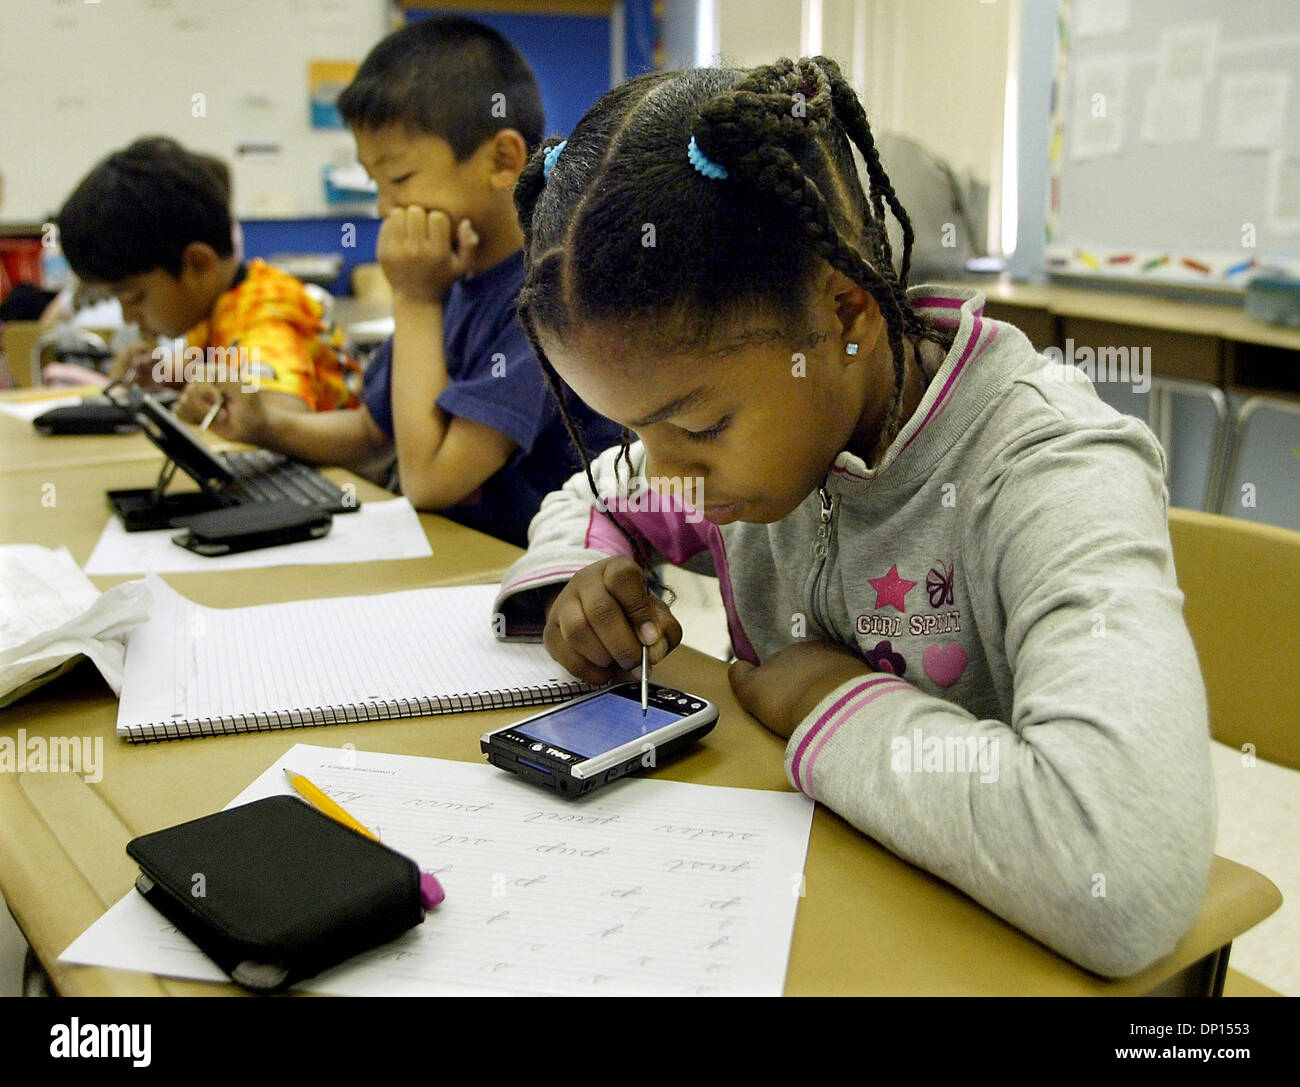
{"points": [[593, 727]]}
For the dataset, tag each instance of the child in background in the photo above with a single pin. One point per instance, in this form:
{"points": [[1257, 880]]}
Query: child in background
{"points": [[444, 113], [946, 567], [153, 224]]}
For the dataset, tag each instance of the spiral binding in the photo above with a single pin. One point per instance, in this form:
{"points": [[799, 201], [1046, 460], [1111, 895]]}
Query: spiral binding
{"points": [[380, 710]]}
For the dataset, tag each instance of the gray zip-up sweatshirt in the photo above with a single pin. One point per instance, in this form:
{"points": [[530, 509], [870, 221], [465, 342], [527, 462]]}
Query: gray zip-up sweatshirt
{"points": [[1034, 725]]}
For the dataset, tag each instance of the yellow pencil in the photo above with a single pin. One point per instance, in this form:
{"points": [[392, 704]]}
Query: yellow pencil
{"points": [[322, 803], [431, 892]]}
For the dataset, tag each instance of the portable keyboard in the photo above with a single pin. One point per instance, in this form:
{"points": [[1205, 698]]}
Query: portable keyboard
{"points": [[264, 476]]}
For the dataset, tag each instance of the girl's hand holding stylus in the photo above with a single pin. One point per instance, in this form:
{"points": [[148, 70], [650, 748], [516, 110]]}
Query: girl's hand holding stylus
{"points": [[597, 624], [783, 690]]}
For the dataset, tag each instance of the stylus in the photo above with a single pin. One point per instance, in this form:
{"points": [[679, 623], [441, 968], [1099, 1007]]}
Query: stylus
{"points": [[645, 679], [212, 412]]}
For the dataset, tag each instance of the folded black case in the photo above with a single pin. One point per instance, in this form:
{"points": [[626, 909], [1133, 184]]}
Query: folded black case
{"points": [[274, 891], [92, 418], [244, 528]]}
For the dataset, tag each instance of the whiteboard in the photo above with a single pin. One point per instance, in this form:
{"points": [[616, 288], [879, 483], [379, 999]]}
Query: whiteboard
{"points": [[1175, 150], [82, 78]]}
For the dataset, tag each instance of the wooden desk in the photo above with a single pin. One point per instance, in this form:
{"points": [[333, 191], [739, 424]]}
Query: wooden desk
{"points": [[76, 512], [1200, 341], [23, 447], [870, 923]]}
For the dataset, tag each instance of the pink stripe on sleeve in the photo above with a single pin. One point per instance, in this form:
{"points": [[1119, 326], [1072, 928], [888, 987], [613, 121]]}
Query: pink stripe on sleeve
{"points": [[830, 721], [939, 303], [603, 535]]}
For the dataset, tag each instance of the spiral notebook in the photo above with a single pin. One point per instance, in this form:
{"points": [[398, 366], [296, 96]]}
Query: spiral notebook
{"points": [[199, 671]]}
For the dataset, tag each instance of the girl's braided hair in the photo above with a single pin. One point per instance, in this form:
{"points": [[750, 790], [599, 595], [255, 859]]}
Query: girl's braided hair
{"points": [[720, 250]]}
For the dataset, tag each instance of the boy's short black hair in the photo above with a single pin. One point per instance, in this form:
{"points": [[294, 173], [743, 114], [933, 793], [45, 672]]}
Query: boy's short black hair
{"points": [[138, 209], [447, 77]]}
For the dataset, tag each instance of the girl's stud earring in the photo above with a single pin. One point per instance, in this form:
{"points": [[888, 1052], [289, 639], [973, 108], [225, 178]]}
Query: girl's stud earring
{"points": [[850, 349]]}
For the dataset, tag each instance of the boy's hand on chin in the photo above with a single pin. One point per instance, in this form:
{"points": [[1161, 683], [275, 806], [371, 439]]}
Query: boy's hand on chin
{"points": [[417, 253], [782, 691]]}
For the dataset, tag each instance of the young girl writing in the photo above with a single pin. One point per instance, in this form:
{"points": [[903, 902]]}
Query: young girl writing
{"points": [[945, 563]]}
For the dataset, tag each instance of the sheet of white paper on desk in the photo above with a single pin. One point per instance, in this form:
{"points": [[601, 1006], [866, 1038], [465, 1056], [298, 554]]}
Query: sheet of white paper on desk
{"points": [[28, 410], [50, 612], [377, 531], [650, 886]]}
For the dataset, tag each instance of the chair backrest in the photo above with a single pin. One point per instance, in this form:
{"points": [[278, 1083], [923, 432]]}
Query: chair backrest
{"points": [[369, 284], [68, 344], [19, 337], [1263, 476], [1241, 589], [1192, 422], [325, 299]]}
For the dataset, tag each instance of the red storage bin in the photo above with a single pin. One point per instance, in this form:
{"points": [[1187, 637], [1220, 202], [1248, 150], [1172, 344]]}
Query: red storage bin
{"points": [[22, 262]]}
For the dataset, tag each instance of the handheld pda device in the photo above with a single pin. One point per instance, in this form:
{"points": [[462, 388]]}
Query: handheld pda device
{"points": [[581, 745], [225, 480]]}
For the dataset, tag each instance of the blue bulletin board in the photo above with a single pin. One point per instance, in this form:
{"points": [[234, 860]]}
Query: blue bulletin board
{"points": [[569, 54]]}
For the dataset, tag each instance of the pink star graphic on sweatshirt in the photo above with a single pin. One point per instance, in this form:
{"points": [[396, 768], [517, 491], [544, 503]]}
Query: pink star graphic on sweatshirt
{"points": [[891, 590]]}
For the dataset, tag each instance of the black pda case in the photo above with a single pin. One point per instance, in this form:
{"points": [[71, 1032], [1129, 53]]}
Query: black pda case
{"points": [[245, 528], [102, 417], [274, 891]]}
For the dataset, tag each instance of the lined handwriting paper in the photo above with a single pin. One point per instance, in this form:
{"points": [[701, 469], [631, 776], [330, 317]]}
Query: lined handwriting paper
{"points": [[648, 887]]}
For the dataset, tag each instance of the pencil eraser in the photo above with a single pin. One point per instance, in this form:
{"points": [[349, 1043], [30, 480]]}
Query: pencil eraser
{"points": [[431, 892]]}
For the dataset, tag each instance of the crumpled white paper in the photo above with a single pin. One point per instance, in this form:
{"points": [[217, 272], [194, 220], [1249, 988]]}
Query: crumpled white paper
{"points": [[51, 614]]}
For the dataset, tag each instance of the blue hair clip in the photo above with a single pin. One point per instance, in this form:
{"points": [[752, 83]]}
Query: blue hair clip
{"points": [[548, 163], [703, 163]]}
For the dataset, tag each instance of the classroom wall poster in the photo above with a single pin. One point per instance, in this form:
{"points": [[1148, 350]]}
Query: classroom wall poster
{"points": [[325, 82]]}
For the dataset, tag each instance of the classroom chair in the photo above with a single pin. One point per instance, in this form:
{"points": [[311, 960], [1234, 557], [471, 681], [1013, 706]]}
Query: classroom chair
{"points": [[1243, 613], [19, 337], [324, 298], [1242, 607], [1197, 447], [369, 284], [1192, 422], [1262, 480], [70, 355]]}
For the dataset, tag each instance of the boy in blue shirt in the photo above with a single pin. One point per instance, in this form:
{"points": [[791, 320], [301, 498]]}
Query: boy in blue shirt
{"points": [[445, 113]]}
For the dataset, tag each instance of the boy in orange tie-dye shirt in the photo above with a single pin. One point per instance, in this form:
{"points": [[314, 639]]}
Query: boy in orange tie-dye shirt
{"points": [[152, 223], [289, 347]]}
